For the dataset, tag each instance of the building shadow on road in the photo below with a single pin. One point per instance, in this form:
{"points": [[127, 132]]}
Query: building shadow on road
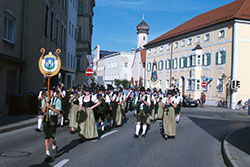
{"points": [[220, 128]]}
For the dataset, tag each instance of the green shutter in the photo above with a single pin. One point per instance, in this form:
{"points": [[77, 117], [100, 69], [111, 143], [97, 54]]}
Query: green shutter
{"points": [[191, 62], [185, 62], [180, 62], [203, 58], [169, 63], [217, 57], [166, 64], [209, 59], [223, 57]]}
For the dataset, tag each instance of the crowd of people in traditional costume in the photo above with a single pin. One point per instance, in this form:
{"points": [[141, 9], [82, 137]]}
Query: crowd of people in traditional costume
{"points": [[92, 111]]}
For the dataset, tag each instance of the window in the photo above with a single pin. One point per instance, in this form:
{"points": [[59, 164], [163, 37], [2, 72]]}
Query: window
{"points": [[144, 38], [79, 38], [175, 63], [112, 65], [167, 84], [193, 60], [155, 50], [80, 8], [115, 64], [189, 41], [46, 21], [149, 67], [78, 64], [57, 31], [160, 65], [72, 31], [161, 48], [125, 76], [9, 27], [71, 60], [62, 36], [69, 27], [168, 46], [126, 64], [181, 62], [51, 26], [176, 45], [219, 85], [189, 61], [198, 60], [183, 43], [108, 65], [198, 39], [221, 34], [63, 4], [220, 57], [206, 59], [198, 84], [168, 64], [149, 51], [193, 84], [207, 37]]}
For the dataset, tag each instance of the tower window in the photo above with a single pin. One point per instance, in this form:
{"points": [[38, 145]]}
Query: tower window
{"points": [[143, 38]]}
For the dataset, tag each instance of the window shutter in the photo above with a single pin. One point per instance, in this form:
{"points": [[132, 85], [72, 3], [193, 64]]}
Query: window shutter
{"points": [[191, 63], [185, 61], [209, 59], [180, 62], [223, 57], [169, 62], [203, 59], [217, 57], [166, 64]]}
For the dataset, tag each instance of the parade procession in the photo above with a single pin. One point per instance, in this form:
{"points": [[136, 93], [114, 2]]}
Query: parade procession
{"points": [[124, 83], [91, 111]]}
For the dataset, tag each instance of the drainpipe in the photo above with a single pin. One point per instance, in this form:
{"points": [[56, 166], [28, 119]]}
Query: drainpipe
{"points": [[171, 65]]}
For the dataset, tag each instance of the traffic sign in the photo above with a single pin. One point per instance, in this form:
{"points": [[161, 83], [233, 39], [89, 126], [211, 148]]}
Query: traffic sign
{"points": [[89, 72], [204, 84]]}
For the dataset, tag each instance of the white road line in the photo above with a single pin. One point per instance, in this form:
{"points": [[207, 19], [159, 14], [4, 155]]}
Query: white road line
{"points": [[105, 135], [61, 163]]}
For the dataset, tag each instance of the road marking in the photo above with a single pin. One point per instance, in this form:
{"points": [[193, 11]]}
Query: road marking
{"points": [[61, 163], [105, 135]]}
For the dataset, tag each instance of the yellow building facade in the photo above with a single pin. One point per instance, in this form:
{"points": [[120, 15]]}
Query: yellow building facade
{"points": [[214, 55]]}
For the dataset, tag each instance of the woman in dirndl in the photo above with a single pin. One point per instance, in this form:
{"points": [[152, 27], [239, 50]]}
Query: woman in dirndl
{"points": [[160, 107], [86, 120], [119, 110], [74, 102], [169, 122]]}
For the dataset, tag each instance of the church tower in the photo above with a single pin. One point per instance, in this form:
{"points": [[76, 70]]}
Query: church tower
{"points": [[142, 33]]}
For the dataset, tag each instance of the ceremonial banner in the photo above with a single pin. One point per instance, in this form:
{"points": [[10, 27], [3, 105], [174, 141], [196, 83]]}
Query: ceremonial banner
{"points": [[154, 75]]}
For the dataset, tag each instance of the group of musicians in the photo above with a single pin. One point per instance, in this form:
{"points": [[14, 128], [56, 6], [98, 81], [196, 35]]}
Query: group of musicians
{"points": [[92, 112]]}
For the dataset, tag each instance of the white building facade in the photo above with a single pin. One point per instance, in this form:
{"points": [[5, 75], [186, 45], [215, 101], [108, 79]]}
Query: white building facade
{"points": [[71, 42], [118, 66]]}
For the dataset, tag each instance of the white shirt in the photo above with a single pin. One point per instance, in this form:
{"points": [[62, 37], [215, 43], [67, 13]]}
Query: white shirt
{"points": [[142, 104], [93, 99]]}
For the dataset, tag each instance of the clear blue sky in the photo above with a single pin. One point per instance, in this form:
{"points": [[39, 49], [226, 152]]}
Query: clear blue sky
{"points": [[115, 21]]}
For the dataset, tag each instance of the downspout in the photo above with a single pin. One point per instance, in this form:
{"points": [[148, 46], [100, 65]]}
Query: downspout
{"points": [[171, 66]]}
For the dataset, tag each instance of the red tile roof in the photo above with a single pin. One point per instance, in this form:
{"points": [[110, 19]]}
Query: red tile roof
{"points": [[239, 9], [143, 57]]}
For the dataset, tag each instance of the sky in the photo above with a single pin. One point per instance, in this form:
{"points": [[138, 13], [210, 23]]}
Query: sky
{"points": [[115, 21]]}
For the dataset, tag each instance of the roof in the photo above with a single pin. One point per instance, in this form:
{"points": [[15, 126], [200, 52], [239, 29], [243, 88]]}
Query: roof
{"points": [[142, 27], [143, 56], [239, 9]]}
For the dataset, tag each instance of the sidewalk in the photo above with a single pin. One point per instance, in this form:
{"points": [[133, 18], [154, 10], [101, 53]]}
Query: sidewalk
{"points": [[236, 148], [13, 122]]}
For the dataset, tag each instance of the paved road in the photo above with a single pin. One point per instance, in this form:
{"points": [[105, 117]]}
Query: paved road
{"points": [[197, 144]]}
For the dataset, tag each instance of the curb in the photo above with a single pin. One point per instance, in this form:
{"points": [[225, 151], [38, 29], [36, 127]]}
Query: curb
{"points": [[18, 125], [229, 160]]}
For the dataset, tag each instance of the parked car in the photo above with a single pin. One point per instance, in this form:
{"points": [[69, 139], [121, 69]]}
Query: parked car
{"points": [[189, 102]]}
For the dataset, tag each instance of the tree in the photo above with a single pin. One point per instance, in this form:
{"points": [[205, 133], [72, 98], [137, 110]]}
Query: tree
{"points": [[125, 83], [117, 82]]}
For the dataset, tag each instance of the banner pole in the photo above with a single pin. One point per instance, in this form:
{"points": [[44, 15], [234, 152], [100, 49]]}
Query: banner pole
{"points": [[47, 113]]}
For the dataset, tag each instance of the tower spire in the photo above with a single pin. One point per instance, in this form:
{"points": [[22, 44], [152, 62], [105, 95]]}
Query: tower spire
{"points": [[143, 16]]}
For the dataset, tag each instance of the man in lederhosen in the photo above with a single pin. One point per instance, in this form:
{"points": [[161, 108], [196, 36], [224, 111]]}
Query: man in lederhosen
{"points": [[142, 105], [113, 104], [54, 106]]}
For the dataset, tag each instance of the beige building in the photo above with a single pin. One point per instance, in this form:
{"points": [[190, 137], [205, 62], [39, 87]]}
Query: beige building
{"points": [[84, 40], [211, 48]]}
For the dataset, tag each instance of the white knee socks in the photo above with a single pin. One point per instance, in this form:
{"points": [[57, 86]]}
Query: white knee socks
{"points": [[137, 129], [39, 124], [144, 128]]}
